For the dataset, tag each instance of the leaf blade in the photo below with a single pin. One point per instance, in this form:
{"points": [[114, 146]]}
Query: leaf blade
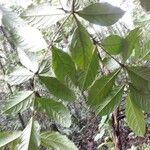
{"points": [[111, 102], [44, 15], [114, 44], [8, 137], [57, 141], [91, 72], [19, 75], [101, 88], [18, 102], [63, 65], [135, 117], [57, 88], [141, 99], [55, 110], [102, 14], [81, 47], [30, 138]]}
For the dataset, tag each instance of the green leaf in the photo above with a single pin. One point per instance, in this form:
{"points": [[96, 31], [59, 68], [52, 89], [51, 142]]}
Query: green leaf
{"points": [[63, 65], [102, 14], [56, 141], [81, 47], [18, 29], [18, 102], [141, 99], [30, 138], [58, 89], [135, 117], [44, 15], [19, 75], [101, 88], [107, 105], [140, 77], [8, 137], [55, 110], [88, 76], [114, 44], [131, 40]]}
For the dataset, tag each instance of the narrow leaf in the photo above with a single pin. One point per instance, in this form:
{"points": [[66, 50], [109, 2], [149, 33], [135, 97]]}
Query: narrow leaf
{"points": [[58, 89], [102, 14], [55, 110], [56, 141], [135, 117], [81, 47], [30, 138]]}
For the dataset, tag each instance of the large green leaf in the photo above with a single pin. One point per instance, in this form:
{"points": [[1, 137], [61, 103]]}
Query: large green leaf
{"points": [[8, 137], [44, 15], [135, 117], [140, 77], [107, 105], [88, 76], [102, 14], [58, 89], [114, 44], [18, 102], [63, 65], [56, 141], [132, 40], [81, 47], [55, 110], [140, 98], [19, 75], [30, 138], [101, 88], [19, 29]]}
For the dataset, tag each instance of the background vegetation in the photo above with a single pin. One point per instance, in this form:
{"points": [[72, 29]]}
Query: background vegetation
{"points": [[74, 75]]}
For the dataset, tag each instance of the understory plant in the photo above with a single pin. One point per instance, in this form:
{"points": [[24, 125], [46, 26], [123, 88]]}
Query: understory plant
{"points": [[58, 59]]}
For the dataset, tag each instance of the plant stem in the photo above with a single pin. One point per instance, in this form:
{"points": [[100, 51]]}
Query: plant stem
{"points": [[116, 130]]}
